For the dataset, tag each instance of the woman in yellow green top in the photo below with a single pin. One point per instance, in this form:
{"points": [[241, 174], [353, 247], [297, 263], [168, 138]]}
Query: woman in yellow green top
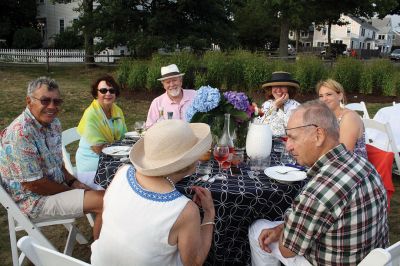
{"points": [[102, 123]]}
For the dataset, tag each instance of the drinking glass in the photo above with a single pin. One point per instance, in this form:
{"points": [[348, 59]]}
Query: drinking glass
{"points": [[221, 154], [139, 127]]}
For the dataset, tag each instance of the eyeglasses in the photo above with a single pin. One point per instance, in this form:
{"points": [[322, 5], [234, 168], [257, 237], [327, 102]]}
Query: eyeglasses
{"points": [[105, 90], [45, 101], [309, 125]]}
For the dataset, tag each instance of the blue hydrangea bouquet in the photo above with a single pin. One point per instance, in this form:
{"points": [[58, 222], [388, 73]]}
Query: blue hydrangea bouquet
{"points": [[210, 105]]}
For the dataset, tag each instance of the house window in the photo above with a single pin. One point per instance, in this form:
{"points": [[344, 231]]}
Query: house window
{"points": [[393, 37], [61, 25], [303, 34], [381, 37], [362, 32], [324, 31], [291, 33], [348, 31], [373, 35]]}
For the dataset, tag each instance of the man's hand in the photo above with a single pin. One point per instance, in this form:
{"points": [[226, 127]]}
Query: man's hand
{"points": [[269, 236], [79, 184]]}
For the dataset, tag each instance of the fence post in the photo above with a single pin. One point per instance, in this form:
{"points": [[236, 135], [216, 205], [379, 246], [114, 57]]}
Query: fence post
{"points": [[108, 57], [47, 61]]}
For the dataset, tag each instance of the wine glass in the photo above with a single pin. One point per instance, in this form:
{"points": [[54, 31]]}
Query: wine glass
{"points": [[221, 154], [139, 127]]}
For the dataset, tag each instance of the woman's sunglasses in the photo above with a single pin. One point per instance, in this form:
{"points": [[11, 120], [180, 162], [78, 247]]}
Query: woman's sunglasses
{"points": [[45, 101], [104, 90]]}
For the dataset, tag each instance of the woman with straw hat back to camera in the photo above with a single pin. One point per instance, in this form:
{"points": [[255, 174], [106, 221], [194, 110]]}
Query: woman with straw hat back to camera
{"points": [[146, 221], [280, 91]]}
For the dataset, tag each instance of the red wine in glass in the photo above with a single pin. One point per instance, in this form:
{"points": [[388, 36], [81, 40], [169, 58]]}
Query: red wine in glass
{"points": [[221, 154]]}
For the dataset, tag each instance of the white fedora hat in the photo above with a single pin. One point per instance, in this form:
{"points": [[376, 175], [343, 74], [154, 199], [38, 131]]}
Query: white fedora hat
{"points": [[170, 71], [170, 146]]}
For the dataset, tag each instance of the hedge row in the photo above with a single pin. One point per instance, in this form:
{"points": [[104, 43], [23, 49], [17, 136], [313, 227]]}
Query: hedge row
{"points": [[245, 71]]}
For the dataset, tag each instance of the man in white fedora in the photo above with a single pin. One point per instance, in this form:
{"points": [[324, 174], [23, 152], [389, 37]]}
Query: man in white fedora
{"points": [[146, 220], [175, 99]]}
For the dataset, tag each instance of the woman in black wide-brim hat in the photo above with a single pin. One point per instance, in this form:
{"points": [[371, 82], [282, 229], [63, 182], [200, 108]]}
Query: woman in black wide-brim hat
{"points": [[280, 91]]}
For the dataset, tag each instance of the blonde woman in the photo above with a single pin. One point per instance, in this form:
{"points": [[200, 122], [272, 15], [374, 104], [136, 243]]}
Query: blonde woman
{"points": [[352, 133]]}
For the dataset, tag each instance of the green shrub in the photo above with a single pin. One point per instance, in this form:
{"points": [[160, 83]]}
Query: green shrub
{"points": [[154, 72], [123, 72], [234, 76], [214, 62], [256, 70], [347, 71], [374, 75], [309, 70], [137, 75], [68, 40], [200, 79], [391, 83], [27, 38], [187, 63]]}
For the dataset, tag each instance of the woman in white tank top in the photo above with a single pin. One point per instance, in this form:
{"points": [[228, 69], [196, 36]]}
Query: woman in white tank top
{"points": [[146, 221]]}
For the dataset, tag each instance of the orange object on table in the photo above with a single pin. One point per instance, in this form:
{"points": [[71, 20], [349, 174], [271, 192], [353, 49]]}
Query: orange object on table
{"points": [[383, 162]]}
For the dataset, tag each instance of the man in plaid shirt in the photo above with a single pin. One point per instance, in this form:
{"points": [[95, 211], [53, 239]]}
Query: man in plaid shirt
{"points": [[339, 216]]}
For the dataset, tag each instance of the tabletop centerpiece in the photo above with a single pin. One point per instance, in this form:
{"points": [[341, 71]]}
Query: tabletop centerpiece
{"points": [[210, 105]]}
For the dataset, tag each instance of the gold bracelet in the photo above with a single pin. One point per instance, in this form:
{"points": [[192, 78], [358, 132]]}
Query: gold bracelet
{"points": [[207, 223]]}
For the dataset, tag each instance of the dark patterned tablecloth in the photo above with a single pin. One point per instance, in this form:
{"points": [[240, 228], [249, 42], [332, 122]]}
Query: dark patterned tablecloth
{"points": [[239, 201]]}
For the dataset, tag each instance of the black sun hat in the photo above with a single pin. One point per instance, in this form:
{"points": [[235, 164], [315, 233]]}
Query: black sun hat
{"points": [[281, 78]]}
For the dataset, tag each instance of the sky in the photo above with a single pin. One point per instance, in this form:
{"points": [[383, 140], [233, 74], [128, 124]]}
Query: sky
{"points": [[396, 21]]}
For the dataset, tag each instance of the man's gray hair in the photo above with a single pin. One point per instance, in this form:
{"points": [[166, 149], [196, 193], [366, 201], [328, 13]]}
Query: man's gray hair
{"points": [[37, 83], [318, 113]]}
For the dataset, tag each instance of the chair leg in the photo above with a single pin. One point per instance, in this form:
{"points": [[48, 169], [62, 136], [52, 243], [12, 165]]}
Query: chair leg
{"points": [[13, 240], [73, 235], [90, 217], [69, 245]]}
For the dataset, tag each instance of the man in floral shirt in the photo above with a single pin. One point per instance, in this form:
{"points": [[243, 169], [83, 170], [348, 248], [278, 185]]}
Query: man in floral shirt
{"points": [[31, 166], [339, 216]]}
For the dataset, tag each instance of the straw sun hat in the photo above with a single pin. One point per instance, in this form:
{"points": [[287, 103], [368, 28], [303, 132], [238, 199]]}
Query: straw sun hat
{"points": [[170, 71], [170, 146], [281, 78]]}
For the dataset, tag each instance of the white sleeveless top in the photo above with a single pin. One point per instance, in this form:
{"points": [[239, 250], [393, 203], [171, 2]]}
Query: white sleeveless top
{"points": [[136, 224]]}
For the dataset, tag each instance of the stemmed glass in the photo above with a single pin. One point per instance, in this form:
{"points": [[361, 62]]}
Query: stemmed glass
{"points": [[139, 127], [221, 154]]}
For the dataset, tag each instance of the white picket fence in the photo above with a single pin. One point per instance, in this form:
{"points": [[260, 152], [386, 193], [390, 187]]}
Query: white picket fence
{"points": [[52, 56]]}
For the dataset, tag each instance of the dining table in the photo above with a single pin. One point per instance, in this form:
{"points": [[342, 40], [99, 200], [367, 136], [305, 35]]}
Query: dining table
{"points": [[242, 198]]}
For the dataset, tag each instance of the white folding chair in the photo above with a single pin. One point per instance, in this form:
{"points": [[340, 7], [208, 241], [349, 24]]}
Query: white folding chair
{"points": [[43, 256], [381, 257], [394, 103], [361, 107], [381, 136], [69, 136], [17, 221]]}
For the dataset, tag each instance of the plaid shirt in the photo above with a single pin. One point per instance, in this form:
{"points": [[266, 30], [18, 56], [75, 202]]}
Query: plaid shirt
{"points": [[341, 214], [28, 152]]}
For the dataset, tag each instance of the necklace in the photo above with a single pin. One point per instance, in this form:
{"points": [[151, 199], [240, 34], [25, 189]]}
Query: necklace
{"points": [[170, 181]]}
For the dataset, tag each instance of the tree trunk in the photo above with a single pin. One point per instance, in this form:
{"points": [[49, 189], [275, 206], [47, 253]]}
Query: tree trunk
{"points": [[329, 49], [297, 39], [88, 32], [284, 37]]}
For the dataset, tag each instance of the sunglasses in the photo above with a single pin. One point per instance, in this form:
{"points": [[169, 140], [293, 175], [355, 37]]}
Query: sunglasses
{"points": [[45, 101], [105, 90]]}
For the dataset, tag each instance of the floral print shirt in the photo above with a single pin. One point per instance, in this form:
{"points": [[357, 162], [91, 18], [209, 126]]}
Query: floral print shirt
{"points": [[277, 119], [30, 151]]}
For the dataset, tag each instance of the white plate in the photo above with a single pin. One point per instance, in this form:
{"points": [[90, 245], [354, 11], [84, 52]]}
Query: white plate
{"points": [[132, 135], [286, 178], [117, 151]]}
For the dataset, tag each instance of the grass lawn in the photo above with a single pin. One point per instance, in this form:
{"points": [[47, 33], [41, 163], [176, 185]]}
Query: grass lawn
{"points": [[75, 83]]}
